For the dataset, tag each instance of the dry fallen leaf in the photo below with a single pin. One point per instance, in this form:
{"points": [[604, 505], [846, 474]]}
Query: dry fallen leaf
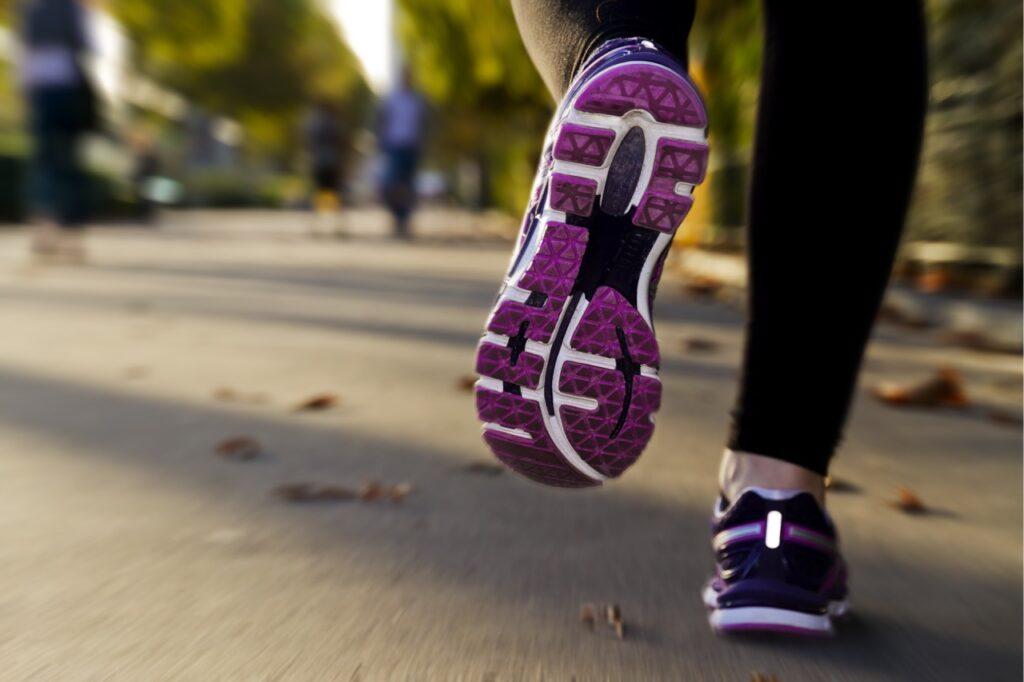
{"points": [[229, 395], [466, 382], [135, 372], [588, 616], [308, 492], [908, 501], [322, 401], [225, 394], [944, 389], [934, 280], [697, 344], [840, 485], [239, 448], [484, 468], [397, 493], [370, 491]]}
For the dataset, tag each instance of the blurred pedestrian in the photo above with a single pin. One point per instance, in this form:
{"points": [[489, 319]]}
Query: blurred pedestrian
{"points": [[62, 107], [401, 126], [323, 137], [570, 360], [145, 173]]}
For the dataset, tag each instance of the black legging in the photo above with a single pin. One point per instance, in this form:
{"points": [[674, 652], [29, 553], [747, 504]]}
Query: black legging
{"points": [[839, 125]]}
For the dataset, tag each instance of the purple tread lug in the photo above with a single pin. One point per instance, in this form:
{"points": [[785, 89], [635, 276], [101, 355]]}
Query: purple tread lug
{"points": [[511, 314], [557, 261], [552, 272], [528, 460], [681, 161], [661, 208], [583, 144], [537, 457], [572, 194], [495, 361], [596, 331], [588, 431], [668, 97]]}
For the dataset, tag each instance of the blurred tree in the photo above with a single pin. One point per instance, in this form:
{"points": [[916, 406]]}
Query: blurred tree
{"points": [[262, 62], [467, 57], [969, 189], [726, 61]]}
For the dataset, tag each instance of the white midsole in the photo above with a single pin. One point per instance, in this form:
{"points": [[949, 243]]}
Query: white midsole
{"points": [[764, 615]]}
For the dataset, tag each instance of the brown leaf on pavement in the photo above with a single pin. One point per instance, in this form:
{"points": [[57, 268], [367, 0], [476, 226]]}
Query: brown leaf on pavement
{"points": [[697, 344], [944, 389], [397, 493], [934, 280], [309, 492], [371, 491], [908, 502], [225, 394], [609, 613], [321, 401], [840, 485], [466, 382], [588, 615], [484, 468], [135, 372], [239, 448]]}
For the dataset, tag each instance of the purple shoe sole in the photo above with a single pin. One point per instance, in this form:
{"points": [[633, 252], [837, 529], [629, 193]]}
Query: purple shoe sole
{"points": [[569, 361]]}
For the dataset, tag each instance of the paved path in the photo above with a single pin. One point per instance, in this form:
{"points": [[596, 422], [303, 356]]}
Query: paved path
{"points": [[130, 551]]}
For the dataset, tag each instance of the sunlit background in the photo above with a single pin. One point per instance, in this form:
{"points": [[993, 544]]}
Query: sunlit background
{"points": [[220, 88]]}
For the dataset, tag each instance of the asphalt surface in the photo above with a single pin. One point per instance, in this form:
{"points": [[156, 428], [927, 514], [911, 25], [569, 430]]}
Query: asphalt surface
{"points": [[131, 551]]}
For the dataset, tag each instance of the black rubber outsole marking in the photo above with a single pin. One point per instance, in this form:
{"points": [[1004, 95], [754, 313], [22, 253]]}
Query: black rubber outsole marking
{"points": [[629, 369], [556, 345]]}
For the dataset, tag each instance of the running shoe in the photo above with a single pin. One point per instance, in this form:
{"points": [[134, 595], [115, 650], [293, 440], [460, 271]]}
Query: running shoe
{"points": [[568, 363], [778, 565]]}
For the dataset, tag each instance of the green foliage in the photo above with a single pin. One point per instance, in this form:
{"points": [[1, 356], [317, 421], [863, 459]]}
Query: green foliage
{"points": [[466, 55], [189, 34], [726, 39], [234, 189], [262, 62]]}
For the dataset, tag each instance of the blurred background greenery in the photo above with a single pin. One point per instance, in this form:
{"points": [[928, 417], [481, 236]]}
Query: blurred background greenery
{"points": [[219, 88]]}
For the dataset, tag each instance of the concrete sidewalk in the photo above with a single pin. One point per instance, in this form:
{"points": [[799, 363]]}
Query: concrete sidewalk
{"points": [[131, 551]]}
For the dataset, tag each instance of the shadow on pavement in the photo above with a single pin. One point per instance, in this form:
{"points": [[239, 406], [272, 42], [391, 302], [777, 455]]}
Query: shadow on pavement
{"points": [[500, 538]]}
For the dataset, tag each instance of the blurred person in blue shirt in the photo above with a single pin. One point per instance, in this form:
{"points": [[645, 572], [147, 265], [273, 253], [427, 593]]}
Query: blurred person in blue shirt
{"points": [[62, 106], [401, 127]]}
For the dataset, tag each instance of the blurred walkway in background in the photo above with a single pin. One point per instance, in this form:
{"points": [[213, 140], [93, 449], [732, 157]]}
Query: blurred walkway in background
{"points": [[133, 550]]}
